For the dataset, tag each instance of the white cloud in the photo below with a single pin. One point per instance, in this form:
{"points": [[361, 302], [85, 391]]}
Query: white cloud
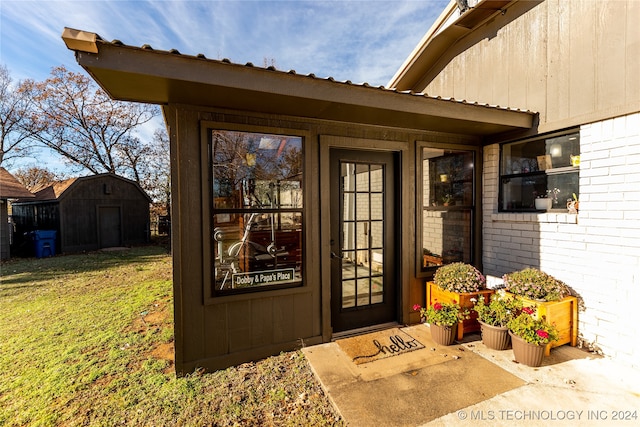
{"points": [[356, 40], [361, 41]]}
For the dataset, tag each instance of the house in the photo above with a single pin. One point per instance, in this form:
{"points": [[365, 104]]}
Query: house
{"points": [[87, 213], [294, 206], [306, 208], [577, 65], [10, 188]]}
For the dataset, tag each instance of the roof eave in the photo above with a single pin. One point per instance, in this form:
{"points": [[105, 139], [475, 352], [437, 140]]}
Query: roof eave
{"points": [[160, 77], [439, 38]]}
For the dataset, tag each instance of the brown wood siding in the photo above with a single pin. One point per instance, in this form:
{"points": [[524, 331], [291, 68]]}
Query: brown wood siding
{"points": [[79, 213], [572, 61], [218, 331]]}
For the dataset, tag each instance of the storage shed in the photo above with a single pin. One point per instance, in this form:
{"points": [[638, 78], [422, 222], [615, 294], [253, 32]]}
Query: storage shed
{"points": [[87, 213], [10, 188]]}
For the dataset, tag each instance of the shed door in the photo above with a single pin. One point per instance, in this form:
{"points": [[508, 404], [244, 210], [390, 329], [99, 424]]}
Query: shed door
{"points": [[109, 226], [364, 289]]}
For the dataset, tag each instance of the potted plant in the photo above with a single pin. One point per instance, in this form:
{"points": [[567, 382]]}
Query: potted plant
{"points": [[530, 336], [461, 283], [443, 319], [545, 201], [459, 277], [534, 284], [550, 297], [494, 317]]}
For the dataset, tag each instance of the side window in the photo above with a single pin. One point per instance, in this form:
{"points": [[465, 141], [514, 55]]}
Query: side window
{"points": [[257, 202], [539, 174], [448, 207]]}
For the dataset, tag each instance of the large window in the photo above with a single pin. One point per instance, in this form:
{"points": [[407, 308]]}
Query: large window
{"points": [[539, 174], [448, 207], [257, 210]]}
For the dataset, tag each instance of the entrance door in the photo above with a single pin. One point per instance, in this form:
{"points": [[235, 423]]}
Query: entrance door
{"points": [[109, 223], [364, 285]]}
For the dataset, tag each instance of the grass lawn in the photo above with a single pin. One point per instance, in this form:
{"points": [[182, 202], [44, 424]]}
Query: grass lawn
{"points": [[88, 340]]}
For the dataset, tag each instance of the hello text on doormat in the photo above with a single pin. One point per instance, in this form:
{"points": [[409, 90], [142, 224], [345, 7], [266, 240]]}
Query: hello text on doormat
{"points": [[379, 345]]}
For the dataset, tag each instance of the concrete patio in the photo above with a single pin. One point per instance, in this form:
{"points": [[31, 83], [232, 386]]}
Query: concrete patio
{"points": [[469, 384]]}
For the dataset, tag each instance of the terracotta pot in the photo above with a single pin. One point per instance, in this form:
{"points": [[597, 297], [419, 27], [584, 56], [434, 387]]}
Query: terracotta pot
{"points": [[443, 335], [526, 353], [495, 337]]}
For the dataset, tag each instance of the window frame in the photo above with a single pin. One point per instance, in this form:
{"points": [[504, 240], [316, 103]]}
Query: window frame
{"points": [[559, 171], [212, 295], [475, 208]]}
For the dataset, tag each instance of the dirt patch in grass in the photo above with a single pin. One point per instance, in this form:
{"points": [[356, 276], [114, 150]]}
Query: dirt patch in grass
{"points": [[165, 351]]}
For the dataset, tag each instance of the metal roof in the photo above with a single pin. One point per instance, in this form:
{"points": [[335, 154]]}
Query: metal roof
{"points": [[144, 74], [57, 190]]}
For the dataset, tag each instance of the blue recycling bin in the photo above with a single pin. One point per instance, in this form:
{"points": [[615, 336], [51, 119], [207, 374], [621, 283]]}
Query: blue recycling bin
{"points": [[44, 243]]}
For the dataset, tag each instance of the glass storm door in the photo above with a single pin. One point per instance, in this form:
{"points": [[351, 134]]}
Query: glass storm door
{"points": [[363, 231]]}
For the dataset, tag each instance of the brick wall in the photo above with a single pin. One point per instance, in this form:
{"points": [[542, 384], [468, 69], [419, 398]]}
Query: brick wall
{"points": [[596, 252]]}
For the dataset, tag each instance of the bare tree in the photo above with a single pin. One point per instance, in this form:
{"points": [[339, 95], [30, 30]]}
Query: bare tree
{"points": [[156, 170], [14, 134], [34, 177], [76, 119]]}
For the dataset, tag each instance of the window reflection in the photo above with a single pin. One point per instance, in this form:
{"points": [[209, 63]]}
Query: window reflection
{"points": [[257, 204], [543, 168], [448, 205], [362, 186]]}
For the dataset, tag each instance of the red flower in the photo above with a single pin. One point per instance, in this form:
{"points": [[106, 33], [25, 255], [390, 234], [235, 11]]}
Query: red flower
{"points": [[542, 334], [416, 307], [437, 306], [528, 310]]}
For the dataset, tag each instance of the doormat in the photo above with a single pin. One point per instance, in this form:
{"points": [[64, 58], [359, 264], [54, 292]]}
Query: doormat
{"points": [[378, 345]]}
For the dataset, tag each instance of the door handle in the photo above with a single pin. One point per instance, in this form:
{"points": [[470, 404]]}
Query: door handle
{"points": [[334, 255]]}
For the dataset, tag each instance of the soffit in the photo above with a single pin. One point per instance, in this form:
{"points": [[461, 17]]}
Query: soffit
{"points": [[143, 74]]}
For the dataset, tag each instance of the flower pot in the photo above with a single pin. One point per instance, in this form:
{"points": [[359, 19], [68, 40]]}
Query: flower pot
{"points": [[436, 293], [543, 204], [527, 353], [563, 314], [495, 337], [443, 335]]}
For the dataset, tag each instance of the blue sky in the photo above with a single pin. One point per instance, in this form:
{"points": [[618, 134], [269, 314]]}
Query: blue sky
{"points": [[361, 41]]}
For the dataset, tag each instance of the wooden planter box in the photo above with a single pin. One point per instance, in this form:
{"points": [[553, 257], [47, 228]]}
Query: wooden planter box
{"points": [[563, 313], [436, 293]]}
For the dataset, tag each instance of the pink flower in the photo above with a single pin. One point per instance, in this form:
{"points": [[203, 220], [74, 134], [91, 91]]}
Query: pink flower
{"points": [[528, 310], [542, 334], [437, 306], [416, 307]]}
